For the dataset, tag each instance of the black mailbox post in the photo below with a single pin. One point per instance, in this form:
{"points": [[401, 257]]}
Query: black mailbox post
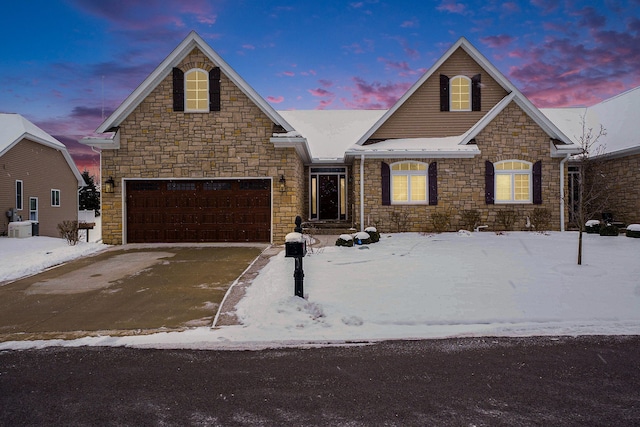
{"points": [[295, 247]]}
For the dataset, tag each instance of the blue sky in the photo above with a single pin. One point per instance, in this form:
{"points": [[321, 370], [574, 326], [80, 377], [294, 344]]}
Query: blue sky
{"points": [[64, 62]]}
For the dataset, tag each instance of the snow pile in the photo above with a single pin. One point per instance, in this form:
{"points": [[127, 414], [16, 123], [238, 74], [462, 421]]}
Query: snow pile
{"points": [[24, 257]]}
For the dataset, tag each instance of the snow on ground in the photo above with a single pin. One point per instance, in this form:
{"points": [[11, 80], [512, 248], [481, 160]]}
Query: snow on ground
{"points": [[411, 286], [27, 256]]}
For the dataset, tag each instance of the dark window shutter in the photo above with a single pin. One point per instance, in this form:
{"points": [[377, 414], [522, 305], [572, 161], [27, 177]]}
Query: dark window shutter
{"points": [[178, 89], [475, 93], [489, 183], [537, 183], [214, 89], [444, 93], [433, 183], [385, 175]]}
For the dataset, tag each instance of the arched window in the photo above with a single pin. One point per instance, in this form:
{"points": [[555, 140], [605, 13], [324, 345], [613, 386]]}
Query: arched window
{"points": [[409, 183], [513, 181], [460, 90], [196, 90]]}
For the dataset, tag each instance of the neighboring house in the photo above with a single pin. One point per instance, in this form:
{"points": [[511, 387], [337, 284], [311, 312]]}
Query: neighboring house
{"points": [[620, 151], [198, 155], [38, 179]]}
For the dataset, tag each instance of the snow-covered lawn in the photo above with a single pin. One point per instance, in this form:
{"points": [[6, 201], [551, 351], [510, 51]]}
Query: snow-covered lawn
{"points": [[411, 285]]}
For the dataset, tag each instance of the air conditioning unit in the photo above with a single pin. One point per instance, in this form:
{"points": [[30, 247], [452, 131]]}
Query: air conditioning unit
{"points": [[20, 229]]}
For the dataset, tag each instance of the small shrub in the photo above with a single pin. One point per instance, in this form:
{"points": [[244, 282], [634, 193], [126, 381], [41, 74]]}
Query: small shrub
{"points": [[633, 230], [345, 240], [401, 220], [540, 219], [470, 219], [592, 226], [441, 221], [506, 218], [69, 230], [373, 233], [609, 230], [361, 238]]}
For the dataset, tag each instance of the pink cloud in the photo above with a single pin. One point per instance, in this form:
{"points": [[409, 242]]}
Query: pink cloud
{"points": [[325, 83], [511, 7], [319, 92], [248, 47], [402, 67], [374, 95], [497, 41], [412, 23], [275, 99], [288, 73], [452, 6], [327, 96], [566, 72]]}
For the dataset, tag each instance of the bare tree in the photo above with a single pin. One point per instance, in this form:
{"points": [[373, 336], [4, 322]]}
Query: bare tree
{"points": [[592, 180]]}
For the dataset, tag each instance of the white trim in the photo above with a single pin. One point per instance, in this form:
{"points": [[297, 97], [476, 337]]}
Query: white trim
{"points": [[362, 192], [408, 173], [21, 207], [217, 178], [299, 143], [186, 97], [460, 76], [512, 173], [59, 198], [35, 210], [192, 41]]}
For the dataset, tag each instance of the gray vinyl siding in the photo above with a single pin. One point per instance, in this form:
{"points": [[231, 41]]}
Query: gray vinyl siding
{"points": [[420, 115]]}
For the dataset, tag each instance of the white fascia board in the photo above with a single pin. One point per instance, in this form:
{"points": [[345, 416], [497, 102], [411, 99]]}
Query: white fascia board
{"points": [[562, 150], [467, 47], [415, 154], [111, 143], [163, 70], [299, 143]]}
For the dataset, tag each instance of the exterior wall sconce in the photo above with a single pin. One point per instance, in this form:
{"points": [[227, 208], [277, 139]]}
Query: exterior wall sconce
{"points": [[109, 185], [283, 183]]}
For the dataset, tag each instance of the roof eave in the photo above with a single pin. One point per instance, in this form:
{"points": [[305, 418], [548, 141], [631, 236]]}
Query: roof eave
{"points": [[414, 154], [163, 70], [110, 143], [300, 144]]}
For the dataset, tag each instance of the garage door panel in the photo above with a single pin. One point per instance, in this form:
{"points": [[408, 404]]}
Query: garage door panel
{"points": [[199, 211]]}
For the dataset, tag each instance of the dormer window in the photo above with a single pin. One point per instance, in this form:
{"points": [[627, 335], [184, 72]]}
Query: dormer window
{"points": [[460, 90], [196, 91], [460, 93]]}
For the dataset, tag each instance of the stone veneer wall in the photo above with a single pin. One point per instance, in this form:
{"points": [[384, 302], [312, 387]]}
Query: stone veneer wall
{"points": [[511, 135], [624, 197], [156, 142]]}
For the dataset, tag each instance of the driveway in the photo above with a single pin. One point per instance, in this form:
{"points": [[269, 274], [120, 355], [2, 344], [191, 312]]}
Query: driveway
{"points": [[125, 290]]}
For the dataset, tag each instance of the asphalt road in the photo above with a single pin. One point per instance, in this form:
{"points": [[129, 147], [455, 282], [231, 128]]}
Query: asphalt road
{"points": [[586, 381]]}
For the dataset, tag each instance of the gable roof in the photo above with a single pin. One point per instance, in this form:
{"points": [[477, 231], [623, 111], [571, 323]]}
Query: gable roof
{"points": [[514, 95], [14, 128], [192, 41], [615, 114]]}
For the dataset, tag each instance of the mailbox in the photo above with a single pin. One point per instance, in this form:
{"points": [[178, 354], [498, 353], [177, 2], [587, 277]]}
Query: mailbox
{"points": [[295, 249]]}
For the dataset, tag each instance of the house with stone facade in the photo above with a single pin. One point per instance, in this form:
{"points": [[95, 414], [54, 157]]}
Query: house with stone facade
{"points": [[197, 155], [39, 181], [618, 151]]}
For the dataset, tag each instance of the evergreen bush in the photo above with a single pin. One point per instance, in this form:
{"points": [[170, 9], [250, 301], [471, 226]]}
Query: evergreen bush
{"points": [[609, 230], [633, 230], [592, 226]]}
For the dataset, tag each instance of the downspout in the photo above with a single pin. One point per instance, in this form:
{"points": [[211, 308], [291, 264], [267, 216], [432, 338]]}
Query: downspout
{"points": [[562, 163], [362, 192]]}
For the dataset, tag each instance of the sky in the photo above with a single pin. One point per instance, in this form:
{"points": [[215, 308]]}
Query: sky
{"points": [[67, 64]]}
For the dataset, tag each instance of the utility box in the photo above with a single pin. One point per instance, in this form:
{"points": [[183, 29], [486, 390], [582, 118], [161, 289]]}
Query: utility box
{"points": [[20, 229]]}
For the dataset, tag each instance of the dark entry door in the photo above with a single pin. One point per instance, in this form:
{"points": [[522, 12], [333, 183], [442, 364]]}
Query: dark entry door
{"points": [[328, 200]]}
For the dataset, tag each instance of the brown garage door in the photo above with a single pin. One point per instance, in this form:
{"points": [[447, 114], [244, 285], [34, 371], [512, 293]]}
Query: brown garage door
{"points": [[199, 211]]}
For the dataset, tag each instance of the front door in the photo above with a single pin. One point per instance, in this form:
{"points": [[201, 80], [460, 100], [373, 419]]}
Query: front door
{"points": [[328, 193], [328, 197]]}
